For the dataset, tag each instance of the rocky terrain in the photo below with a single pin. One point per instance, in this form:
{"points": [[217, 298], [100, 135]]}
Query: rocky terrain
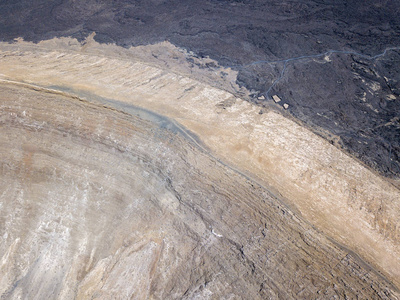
{"points": [[336, 63], [101, 204], [305, 178], [205, 150]]}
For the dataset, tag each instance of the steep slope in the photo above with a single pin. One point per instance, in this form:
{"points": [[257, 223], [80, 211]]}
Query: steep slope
{"points": [[102, 204]]}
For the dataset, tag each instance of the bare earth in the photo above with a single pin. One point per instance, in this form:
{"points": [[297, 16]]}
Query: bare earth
{"points": [[218, 200]]}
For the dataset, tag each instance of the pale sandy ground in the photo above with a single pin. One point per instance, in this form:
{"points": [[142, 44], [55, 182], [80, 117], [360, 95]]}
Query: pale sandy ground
{"points": [[101, 204], [331, 190]]}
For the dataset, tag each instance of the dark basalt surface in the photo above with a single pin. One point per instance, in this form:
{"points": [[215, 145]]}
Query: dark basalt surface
{"points": [[336, 63]]}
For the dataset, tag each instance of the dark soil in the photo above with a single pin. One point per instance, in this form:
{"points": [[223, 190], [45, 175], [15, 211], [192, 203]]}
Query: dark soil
{"points": [[277, 46]]}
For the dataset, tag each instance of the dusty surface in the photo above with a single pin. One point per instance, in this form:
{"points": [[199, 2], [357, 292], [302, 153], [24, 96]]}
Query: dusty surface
{"points": [[101, 204], [336, 63], [329, 189]]}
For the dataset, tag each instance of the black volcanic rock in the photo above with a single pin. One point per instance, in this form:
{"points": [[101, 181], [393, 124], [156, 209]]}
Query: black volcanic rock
{"points": [[277, 46]]}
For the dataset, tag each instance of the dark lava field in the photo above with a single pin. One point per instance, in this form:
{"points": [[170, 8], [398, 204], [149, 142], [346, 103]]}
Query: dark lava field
{"points": [[336, 63], [195, 149]]}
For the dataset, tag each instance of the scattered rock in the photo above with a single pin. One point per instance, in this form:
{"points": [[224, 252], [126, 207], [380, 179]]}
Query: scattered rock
{"points": [[276, 98]]}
